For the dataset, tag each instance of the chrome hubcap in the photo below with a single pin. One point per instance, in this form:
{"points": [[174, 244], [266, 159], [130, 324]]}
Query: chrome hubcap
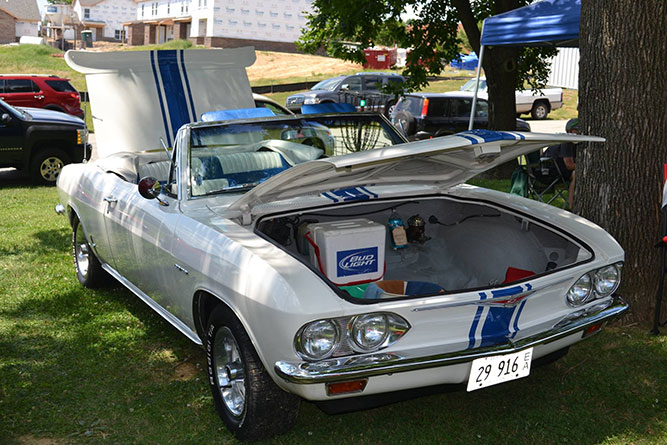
{"points": [[541, 111], [229, 371], [81, 252], [50, 168]]}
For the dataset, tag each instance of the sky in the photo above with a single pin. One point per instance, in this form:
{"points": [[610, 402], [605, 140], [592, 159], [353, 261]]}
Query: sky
{"points": [[41, 4]]}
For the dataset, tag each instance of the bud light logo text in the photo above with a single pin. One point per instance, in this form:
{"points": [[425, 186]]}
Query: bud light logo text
{"points": [[357, 261]]}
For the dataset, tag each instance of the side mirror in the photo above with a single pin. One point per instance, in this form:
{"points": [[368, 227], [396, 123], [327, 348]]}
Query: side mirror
{"points": [[421, 135], [344, 87], [6, 118], [149, 187]]}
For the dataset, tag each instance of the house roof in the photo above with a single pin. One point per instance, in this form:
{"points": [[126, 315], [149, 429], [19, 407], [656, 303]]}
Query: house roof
{"points": [[23, 10], [92, 2]]}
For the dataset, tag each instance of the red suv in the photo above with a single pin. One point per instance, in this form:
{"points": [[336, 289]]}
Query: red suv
{"points": [[40, 91]]}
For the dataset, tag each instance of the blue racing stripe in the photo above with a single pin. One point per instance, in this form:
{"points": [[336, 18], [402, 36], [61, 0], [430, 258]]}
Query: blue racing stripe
{"points": [[471, 139], [497, 325], [507, 292], [516, 319], [159, 96], [187, 86], [475, 322], [173, 89], [326, 195], [368, 191]]}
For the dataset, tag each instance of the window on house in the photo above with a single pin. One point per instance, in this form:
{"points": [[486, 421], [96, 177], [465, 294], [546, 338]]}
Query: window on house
{"points": [[119, 34], [168, 8], [154, 9], [142, 10], [86, 13]]}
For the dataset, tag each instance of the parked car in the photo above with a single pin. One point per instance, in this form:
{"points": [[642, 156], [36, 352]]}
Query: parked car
{"points": [[40, 91], [275, 107], [352, 89], [427, 115], [306, 276], [40, 141], [538, 104]]}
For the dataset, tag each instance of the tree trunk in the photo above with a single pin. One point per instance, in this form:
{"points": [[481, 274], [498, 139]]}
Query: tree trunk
{"points": [[622, 98]]}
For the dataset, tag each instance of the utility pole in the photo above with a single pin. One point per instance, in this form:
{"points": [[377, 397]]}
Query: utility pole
{"points": [[62, 27]]}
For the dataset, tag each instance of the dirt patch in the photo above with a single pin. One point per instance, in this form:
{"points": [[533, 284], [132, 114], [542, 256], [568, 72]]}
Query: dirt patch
{"points": [[184, 372], [275, 65]]}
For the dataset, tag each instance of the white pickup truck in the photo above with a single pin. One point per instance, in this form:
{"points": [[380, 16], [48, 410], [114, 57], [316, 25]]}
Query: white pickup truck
{"points": [[527, 101]]}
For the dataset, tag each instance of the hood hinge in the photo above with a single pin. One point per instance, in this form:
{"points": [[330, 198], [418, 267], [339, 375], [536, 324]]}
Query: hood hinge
{"points": [[246, 217]]}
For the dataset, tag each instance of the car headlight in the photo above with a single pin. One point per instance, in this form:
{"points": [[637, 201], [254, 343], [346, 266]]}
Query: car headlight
{"points": [[318, 339], [607, 279], [580, 291], [369, 331], [343, 336], [311, 100]]}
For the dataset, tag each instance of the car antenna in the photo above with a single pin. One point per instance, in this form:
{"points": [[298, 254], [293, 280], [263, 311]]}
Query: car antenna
{"points": [[164, 145]]}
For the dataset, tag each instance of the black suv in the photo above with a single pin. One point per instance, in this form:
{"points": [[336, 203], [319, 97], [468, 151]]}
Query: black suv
{"points": [[41, 141], [426, 115], [353, 89]]}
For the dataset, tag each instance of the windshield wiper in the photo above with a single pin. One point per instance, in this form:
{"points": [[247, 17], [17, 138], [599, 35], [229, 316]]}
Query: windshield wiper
{"points": [[237, 188]]}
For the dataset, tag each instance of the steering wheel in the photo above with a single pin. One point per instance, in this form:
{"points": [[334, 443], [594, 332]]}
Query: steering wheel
{"points": [[313, 142]]}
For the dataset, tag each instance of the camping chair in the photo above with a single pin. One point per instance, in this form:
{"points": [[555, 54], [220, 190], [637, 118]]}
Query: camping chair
{"points": [[540, 178]]}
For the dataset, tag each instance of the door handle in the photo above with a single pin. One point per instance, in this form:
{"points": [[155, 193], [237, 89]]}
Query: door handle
{"points": [[39, 96], [110, 199]]}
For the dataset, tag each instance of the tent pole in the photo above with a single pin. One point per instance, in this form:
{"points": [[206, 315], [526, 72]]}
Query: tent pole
{"points": [[474, 97]]}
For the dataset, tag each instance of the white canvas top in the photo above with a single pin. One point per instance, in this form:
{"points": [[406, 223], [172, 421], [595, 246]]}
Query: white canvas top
{"points": [[138, 97]]}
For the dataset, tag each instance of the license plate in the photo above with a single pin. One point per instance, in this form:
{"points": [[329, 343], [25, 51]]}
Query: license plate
{"points": [[490, 371]]}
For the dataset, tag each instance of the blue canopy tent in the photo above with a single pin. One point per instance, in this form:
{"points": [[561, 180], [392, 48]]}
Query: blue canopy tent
{"points": [[545, 23]]}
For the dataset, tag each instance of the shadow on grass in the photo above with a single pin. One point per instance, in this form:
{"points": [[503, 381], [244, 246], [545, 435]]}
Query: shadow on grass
{"points": [[48, 241]]}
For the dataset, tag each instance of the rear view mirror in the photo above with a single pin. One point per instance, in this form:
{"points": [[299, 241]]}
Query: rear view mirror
{"points": [[149, 188], [421, 135]]}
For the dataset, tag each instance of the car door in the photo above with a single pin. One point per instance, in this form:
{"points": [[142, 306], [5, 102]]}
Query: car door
{"points": [[460, 113], [371, 92], [438, 119], [134, 227], [12, 135], [23, 93]]}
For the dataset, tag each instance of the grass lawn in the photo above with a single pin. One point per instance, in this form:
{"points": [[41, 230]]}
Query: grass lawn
{"points": [[98, 366]]}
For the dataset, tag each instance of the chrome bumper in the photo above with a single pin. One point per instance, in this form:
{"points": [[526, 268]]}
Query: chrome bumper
{"points": [[347, 368]]}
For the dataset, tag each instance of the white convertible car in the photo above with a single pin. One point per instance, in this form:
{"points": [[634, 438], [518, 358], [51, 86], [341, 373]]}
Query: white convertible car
{"points": [[306, 275]]}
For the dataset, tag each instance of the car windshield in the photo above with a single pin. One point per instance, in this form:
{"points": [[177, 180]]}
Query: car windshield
{"points": [[328, 84], [16, 112], [470, 85], [235, 157]]}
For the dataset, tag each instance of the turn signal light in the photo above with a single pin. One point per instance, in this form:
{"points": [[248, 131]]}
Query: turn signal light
{"points": [[593, 329], [335, 389], [425, 108]]}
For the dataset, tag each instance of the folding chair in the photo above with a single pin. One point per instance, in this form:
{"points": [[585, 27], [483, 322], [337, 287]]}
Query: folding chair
{"points": [[544, 179]]}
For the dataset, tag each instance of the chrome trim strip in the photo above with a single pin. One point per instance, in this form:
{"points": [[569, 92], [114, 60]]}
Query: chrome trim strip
{"points": [[488, 301], [178, 324], [333, 370]]}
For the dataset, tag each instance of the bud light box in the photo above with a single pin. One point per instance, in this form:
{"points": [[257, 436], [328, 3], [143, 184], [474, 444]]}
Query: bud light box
{"points": [[350, 251]]}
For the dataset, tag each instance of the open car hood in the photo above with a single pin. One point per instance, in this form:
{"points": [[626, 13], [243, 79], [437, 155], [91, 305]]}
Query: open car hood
{"points": [[443, 162], [138, 97]]}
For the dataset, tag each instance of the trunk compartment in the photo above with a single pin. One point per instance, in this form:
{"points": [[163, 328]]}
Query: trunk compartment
{"points": [[464, 246]]}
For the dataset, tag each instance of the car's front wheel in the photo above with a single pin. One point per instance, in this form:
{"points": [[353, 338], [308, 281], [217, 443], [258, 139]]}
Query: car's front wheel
{"points": [[89, 271], [47, 164], [250, 404], [540, 110]]}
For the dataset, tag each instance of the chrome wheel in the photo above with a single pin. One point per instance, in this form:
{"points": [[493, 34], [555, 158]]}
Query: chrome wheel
{"points": [[50, 168], [229, 371], [81, 253]]}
